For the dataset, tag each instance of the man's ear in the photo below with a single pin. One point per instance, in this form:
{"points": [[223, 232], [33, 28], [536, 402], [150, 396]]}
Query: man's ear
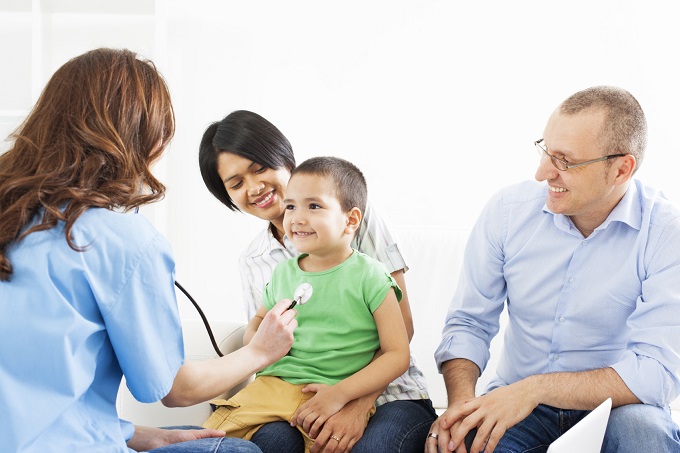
{"points": [[353, 220], [625, 168]]}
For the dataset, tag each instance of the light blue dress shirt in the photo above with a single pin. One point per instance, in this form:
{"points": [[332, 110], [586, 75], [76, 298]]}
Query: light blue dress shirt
{"points": [[71, 323], [574, 303]]}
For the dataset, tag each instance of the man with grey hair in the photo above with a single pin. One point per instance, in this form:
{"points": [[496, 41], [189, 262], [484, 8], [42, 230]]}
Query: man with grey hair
{"points": [[587, 261]]}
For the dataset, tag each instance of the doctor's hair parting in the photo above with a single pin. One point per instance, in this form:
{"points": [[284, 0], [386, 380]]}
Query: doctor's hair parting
{"points": [[348, 181], [245, 134], [99, 124]]}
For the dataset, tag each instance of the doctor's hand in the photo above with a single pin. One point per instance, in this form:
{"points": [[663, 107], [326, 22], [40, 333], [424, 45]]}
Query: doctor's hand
{"points": [[149, 438], [274, 336]]}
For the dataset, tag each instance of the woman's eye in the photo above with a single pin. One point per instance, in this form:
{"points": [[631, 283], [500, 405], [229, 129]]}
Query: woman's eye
{"points": [[261, 170], [237, 185]]}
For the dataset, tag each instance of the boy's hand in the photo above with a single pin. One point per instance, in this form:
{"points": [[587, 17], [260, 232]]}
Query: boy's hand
{"points": [[348, 425], [313, 414]]}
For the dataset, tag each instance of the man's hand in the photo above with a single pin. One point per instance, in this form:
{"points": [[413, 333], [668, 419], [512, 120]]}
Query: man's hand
{"points": [[492, 414], [444, 427], [147, 438], [348, 425]]}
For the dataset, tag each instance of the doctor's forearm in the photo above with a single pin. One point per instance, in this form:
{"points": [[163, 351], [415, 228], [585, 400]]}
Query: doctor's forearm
{"points": [[199, 381]]}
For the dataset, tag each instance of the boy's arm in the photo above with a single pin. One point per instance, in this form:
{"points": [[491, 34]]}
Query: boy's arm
{"points": [[391, 363], [254, 324]]}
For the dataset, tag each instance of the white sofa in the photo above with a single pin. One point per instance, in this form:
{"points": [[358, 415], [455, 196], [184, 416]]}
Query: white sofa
{"points": [[434, 255]]}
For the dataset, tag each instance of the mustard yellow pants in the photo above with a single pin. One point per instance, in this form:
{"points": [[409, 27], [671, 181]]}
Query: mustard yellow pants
{"points": [[266, 399]]}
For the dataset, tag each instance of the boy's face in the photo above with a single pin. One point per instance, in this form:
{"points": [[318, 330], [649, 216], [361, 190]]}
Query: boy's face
{"points": [[314, 220]]}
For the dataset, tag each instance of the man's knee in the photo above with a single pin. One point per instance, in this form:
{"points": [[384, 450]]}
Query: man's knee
{"points": [[628, 423]]}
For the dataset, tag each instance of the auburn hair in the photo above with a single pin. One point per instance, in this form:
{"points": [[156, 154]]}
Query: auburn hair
{"points": [[99, 124]]}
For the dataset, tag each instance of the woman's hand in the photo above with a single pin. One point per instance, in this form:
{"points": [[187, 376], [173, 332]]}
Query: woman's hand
{"points": [[148, 438], [348, 425], [274, 336], [202, 380], [311, 415]]}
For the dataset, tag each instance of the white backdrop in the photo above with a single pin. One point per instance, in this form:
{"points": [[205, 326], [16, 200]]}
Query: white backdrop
{"points": [[437, 101]]}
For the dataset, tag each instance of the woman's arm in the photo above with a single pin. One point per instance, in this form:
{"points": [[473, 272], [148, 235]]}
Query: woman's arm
{"points": [[404, 305], [199, 381], [254, 324]]}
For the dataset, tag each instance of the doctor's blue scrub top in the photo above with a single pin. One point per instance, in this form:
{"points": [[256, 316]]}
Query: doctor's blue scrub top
{"points": [[72, 323]]}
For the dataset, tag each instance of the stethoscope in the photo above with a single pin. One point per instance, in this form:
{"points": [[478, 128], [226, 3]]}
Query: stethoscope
{"points": [[300, 297]]}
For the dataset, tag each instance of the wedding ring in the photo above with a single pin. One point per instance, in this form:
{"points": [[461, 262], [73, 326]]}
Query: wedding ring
{"points": [[433, 435], [335, 438]]}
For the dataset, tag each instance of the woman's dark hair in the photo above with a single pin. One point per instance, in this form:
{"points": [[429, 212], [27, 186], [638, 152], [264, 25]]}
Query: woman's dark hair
{"points": [[245, 134], [102, 119]]}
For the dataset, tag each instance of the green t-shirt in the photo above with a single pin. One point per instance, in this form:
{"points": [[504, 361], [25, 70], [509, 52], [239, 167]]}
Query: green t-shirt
{"points": [[336, 334]]}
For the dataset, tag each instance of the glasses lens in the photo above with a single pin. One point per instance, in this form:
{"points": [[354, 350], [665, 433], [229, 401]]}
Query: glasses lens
{"points": [[543, 152], [540, 149]]}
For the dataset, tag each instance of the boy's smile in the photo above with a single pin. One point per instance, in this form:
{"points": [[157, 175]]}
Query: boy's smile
{"points": [[314, 220]]}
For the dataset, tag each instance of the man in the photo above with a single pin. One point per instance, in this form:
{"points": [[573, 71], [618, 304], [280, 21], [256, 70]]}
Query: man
{"points": [[589, 265]]}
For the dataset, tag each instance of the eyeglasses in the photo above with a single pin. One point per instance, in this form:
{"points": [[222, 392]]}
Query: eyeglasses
{"points": [[562, 164]]}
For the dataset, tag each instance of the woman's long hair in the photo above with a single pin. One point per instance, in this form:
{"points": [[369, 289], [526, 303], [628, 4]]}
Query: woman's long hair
{"points": [[100, 123]]}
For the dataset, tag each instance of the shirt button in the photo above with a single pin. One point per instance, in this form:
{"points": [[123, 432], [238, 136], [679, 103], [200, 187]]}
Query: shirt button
{"points": [[584, 243], [571, 280], [562, 320], [555, 357]]}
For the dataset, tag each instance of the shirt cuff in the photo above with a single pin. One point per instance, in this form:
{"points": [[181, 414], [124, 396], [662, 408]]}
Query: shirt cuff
{"points": [[648, 379], [127, 428]]}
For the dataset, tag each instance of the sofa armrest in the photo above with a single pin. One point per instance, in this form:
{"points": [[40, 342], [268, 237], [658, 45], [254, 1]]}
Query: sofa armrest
{"points": [[197, 346]]}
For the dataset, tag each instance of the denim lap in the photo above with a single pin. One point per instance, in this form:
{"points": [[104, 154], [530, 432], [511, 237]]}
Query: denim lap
{"points": [[545, 424], [396, 427]]}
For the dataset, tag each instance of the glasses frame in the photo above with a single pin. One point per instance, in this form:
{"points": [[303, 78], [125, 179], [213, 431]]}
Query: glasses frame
{"points": [[562, 165]]}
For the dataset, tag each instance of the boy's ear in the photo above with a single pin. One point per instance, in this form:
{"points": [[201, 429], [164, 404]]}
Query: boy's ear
{"points": [[353, 220]]}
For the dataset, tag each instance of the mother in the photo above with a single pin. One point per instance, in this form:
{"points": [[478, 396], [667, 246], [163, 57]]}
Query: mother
{"points": [[246, 162]]}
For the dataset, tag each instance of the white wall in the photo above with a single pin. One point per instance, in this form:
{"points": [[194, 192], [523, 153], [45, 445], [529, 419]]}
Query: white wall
{"points": [[437, 101]]}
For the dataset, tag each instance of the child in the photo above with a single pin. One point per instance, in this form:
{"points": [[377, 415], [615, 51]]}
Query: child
{"points": [[352, 313]]}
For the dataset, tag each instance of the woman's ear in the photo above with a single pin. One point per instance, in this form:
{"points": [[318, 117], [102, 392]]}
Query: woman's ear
{"points": [[353, 220]]}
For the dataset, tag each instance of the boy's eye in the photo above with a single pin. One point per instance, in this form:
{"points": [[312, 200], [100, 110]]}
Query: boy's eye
{"points": [[290, 207], [314, 206]]}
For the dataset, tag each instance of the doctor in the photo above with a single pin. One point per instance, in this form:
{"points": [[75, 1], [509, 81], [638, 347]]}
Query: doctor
{"points": [[86, 291]]}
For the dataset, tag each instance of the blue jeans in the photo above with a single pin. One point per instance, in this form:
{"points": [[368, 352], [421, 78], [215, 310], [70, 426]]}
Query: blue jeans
{"points": [[631, 428], [213, 445], [396, 427]]}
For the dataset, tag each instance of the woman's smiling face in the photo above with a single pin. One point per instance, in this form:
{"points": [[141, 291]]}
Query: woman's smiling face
{"points": [[254, 188]]}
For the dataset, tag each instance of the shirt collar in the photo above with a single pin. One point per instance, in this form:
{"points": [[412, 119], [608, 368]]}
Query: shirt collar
{"points": [[274, 244], [628, 211]]}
